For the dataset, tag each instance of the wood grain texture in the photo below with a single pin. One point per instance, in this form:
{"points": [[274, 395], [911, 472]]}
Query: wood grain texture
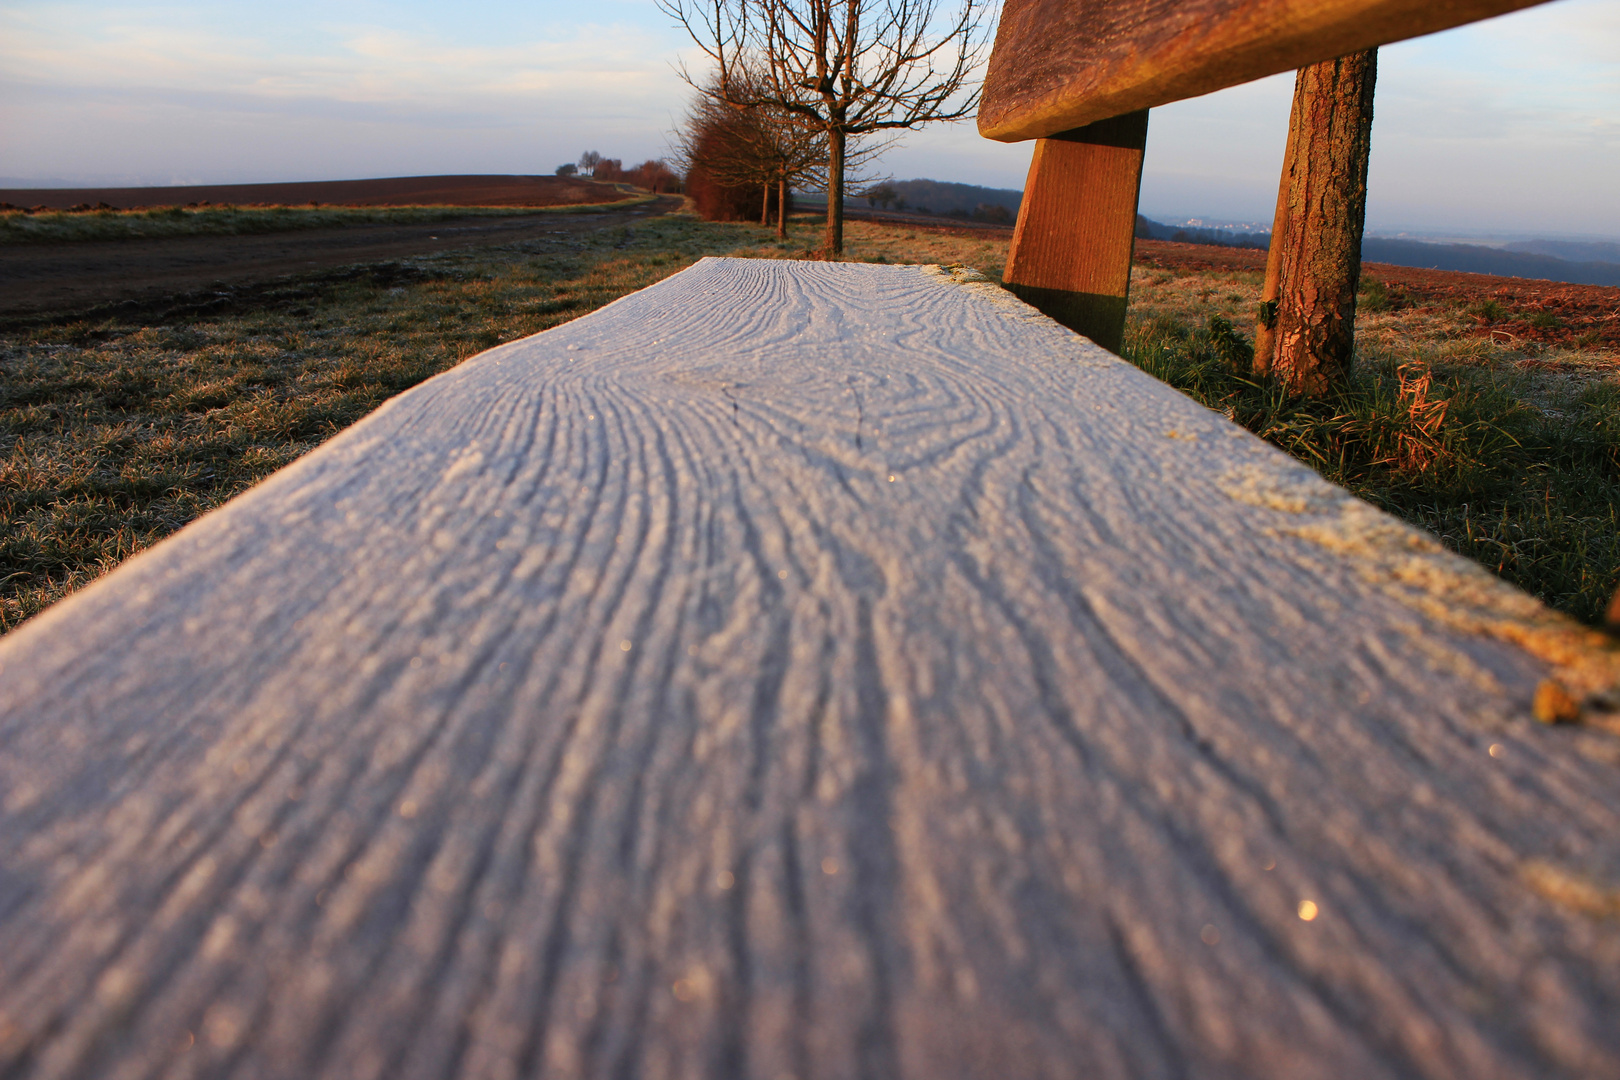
{"points": [[1062, 64], [800, 670], [1071, 249]]}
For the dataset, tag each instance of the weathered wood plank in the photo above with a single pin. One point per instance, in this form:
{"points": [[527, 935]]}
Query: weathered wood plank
{"points": [[1071, 251], [801, 670], [1063, 64]]}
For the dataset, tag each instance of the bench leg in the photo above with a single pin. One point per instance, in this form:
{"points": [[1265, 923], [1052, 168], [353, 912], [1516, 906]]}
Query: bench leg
{"points": [[1071, 251]]}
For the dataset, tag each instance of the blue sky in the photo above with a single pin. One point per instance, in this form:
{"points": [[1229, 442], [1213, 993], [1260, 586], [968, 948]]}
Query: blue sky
{"points": [[1508, 126]]}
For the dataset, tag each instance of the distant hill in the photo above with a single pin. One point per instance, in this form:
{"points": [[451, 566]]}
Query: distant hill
{"points": [[1574, 251], [1592, 263], [1181, 234], [1477, 259], [950, 200], [1599, 263]]}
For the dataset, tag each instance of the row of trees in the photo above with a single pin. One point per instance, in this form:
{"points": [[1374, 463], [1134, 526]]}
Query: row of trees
{"points": [[655, 175], [801, 92], [742, 160], [738, 160]]}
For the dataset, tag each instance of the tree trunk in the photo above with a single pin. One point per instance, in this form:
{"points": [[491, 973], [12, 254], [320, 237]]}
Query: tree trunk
{"points": [[1318, 246], [781, 207], [1265, 327], [765, 206], [833, 245], [1316, 239]]}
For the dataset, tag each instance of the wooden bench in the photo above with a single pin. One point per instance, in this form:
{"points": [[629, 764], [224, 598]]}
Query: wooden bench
{"points": [[816, 671], [1080, 77], [803, 670]]}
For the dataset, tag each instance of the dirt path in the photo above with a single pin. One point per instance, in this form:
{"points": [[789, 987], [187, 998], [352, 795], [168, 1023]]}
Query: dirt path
{"points": [[50, 278]]}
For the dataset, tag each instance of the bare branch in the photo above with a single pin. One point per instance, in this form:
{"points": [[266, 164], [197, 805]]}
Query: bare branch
{"points": [[847, 68]]}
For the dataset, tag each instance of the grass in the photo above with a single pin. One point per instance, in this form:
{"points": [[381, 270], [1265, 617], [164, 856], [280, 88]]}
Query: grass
{"points": [[116, 431], [1509, 454], [49, 227], [871, 242]]}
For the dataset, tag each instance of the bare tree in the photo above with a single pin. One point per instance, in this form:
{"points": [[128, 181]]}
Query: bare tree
{"points": [[1306, 331], [845, 67], [588, 162]]}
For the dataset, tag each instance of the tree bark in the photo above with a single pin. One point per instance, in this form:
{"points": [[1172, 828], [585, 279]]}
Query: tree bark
{"points": [[833, 244], [781, 207], [1265, 326], [765, 205], [1318, 246]]}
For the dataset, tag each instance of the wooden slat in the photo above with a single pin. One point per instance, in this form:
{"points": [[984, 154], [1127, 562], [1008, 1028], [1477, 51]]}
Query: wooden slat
{"points": [[801, 670], [1062, 64], [1071, 251]]}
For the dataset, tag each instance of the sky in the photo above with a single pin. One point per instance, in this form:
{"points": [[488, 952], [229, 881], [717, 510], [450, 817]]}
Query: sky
{"points": [[1505, 128]]}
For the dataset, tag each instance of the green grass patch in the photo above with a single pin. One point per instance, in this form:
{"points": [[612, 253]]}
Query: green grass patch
{"points": [[51, 227], [1519, 472], [1373, 296], [1545, 320]]}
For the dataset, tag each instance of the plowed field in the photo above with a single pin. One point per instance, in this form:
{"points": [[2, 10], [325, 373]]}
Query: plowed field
{"points": [[391, 191], [82, 276]]}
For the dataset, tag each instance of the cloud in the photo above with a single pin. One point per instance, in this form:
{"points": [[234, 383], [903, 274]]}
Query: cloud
{"points": [[92, 92], [350, 64]]}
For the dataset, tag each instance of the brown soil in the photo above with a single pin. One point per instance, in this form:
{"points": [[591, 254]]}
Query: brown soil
{"points": [[79, 277], [394, 191], [1165, 255], [932, 223], [1580, 314]]}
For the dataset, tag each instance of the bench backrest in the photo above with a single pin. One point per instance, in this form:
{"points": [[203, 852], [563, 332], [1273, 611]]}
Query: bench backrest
{"points": [[1062, 64]]}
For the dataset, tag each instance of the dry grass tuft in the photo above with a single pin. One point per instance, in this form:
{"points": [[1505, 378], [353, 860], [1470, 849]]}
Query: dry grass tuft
{"points": [[1418, 437]]}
